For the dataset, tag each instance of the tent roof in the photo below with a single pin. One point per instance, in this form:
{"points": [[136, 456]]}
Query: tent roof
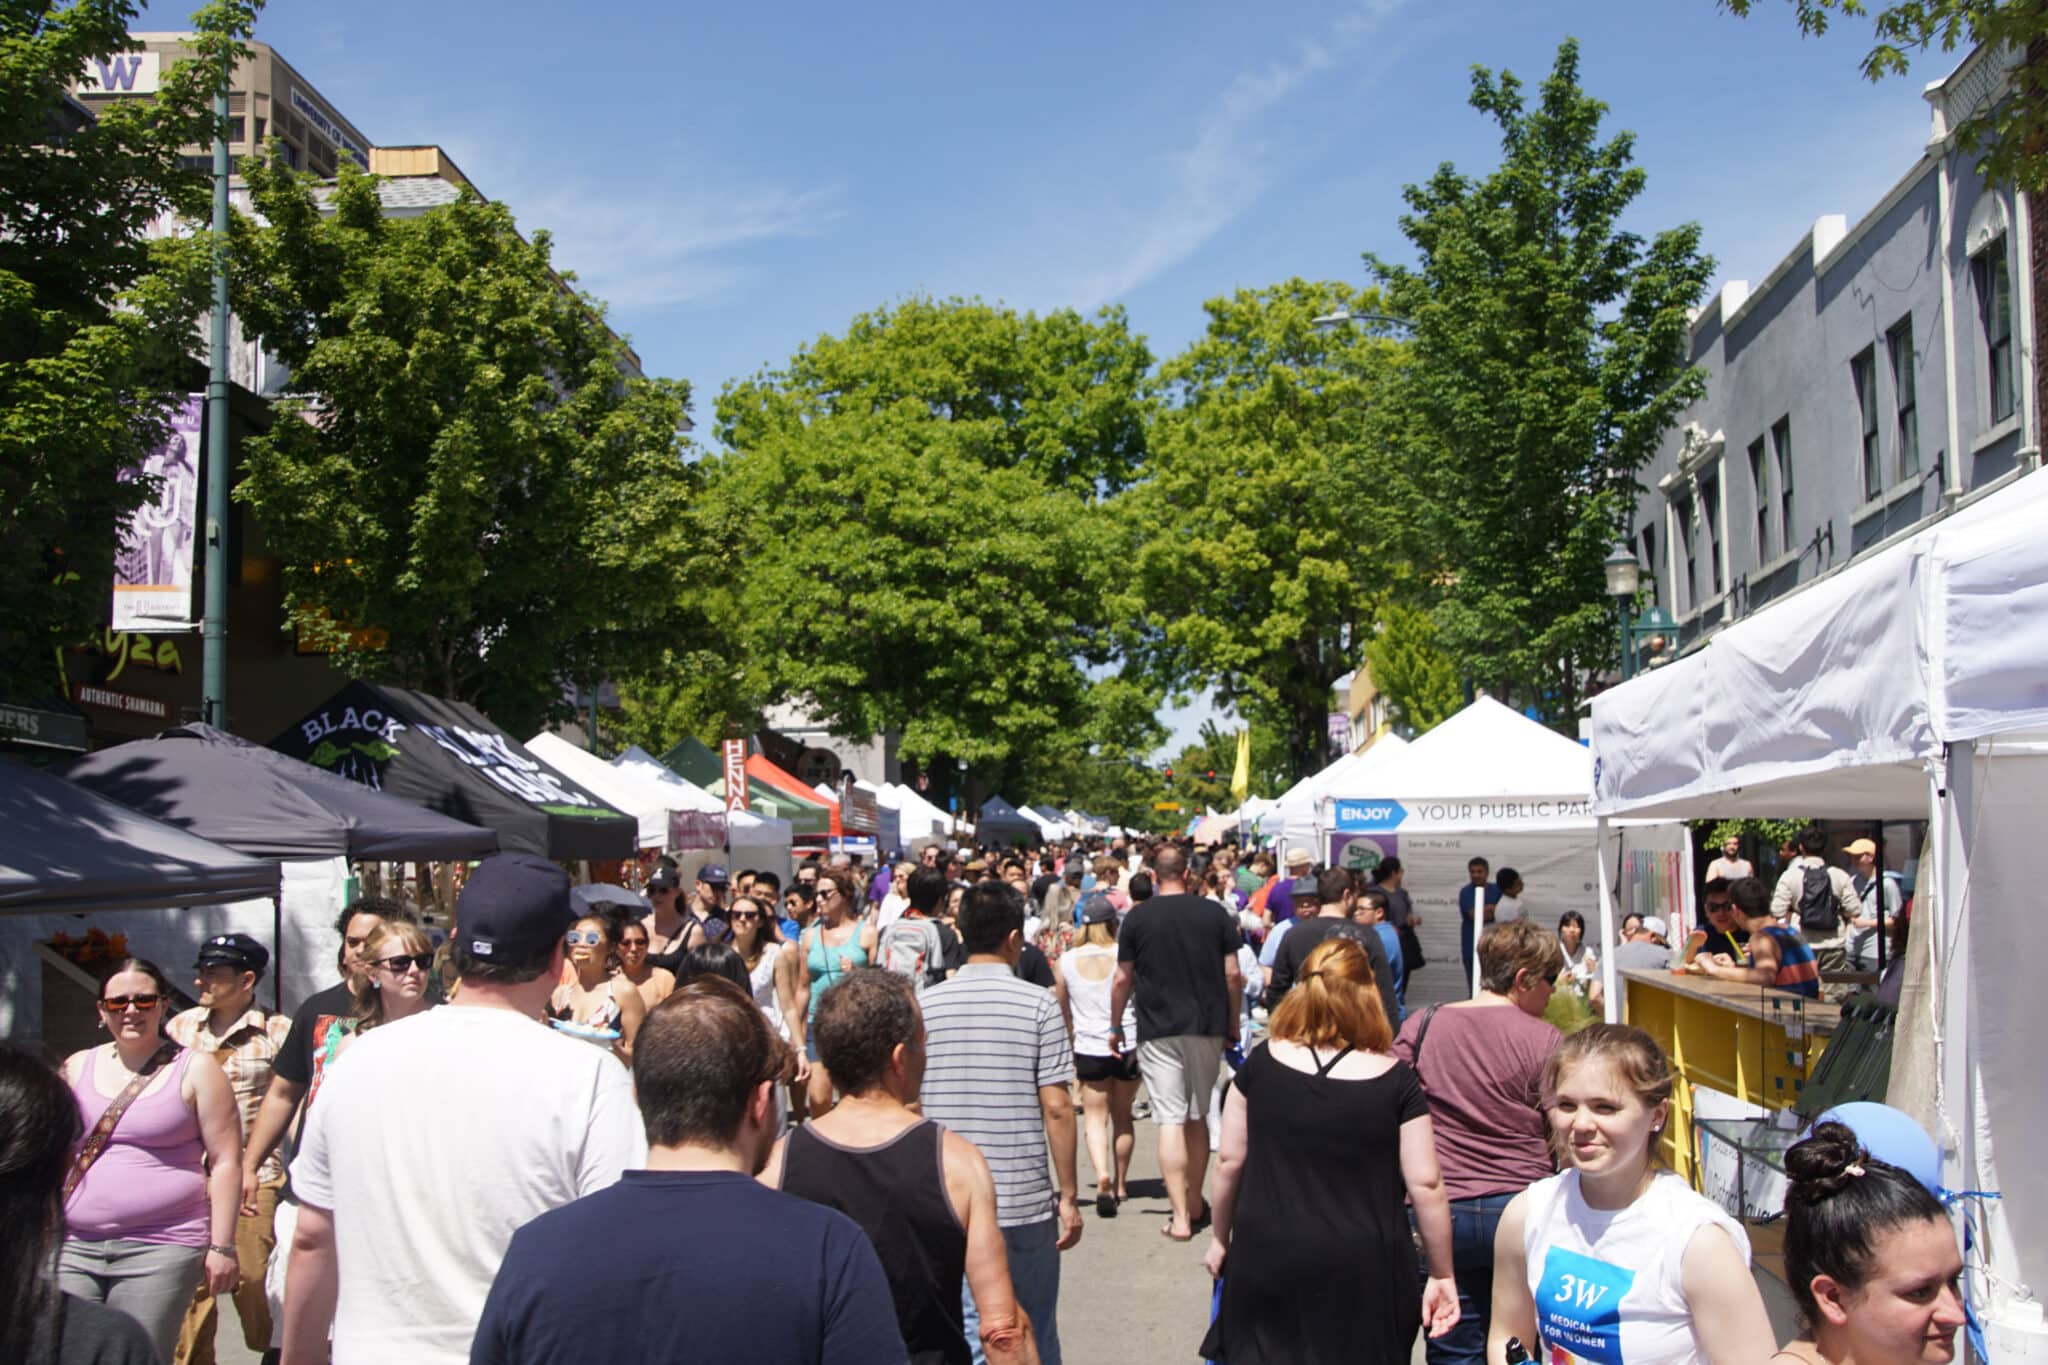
{"points": [[683, 794], [265, 804], [446, 756], [1832, 702], [66, 850], [995, 808], [1487, 749]]}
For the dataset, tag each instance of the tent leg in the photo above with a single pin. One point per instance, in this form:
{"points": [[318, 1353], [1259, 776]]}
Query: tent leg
{"points": [[1610, 981], [277, 951]]}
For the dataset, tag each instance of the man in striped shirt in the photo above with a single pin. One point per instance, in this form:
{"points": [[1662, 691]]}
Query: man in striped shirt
{"points": [[997, 1070]]}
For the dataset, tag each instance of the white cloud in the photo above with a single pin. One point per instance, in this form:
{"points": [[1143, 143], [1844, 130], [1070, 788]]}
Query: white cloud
{"points": [[1222, 172]]}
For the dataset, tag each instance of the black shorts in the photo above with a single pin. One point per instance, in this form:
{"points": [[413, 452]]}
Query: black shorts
{"points": [[1124, 1068]]}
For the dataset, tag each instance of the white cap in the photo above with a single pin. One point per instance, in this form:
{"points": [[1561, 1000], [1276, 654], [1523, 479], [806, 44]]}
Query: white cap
{"points": [[1653, 924]]}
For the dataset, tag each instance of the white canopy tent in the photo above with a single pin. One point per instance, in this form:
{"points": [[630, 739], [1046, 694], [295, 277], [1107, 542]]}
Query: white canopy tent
{"points": [[1911, 685], [750, 838], [626, 789], [1294, 820], [923, 822], [1487, 783]]}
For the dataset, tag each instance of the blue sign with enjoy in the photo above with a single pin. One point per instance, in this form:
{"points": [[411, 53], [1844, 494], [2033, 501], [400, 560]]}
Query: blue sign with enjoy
{"points": [[1363, 817]]}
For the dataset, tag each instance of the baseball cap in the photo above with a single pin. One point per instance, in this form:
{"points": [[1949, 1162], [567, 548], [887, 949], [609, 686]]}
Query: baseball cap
{"points": [[1654, 924], [513, 905], [664, 879], [239, 951], [1097, 910], [1858, 847], [714, 873]]}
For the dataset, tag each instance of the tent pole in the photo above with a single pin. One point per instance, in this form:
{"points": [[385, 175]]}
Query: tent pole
{"points": [[1610, 980], [277, 944]]}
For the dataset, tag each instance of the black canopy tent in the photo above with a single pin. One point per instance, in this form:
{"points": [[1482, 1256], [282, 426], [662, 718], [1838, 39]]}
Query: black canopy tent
{"points": [[446, 756], [67, 851], [266, 804]]}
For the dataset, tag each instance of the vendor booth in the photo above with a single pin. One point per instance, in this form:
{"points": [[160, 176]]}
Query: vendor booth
{"points": [[1292, 821], [1910, 685], [920, 821], [1487, 783], [1002, 823], [65, 853], [445, 756], [699, 828], [805, 814], [696, 818]]}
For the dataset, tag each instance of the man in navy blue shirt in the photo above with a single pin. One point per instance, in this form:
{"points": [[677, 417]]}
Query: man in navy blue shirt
{"points": [[1475, 903], [601, 1279]]}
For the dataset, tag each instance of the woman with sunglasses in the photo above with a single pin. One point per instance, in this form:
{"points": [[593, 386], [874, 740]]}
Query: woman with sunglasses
{"points": [[399, 958], [154, 1187], [771, 973], [595, 996], [839, 940], [655, 984]]}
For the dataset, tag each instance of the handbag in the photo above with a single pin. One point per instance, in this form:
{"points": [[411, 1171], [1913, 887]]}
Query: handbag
{"points": [[1411, 949], [103, 1132]]}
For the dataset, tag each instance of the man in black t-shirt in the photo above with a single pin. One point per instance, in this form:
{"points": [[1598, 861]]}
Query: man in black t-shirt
{"points": [[1336, 895], [1177, 956]]}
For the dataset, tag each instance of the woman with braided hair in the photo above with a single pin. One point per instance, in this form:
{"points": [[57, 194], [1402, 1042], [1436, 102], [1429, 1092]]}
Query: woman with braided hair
{"points": [[1326, 1145], [1870, 1256]]}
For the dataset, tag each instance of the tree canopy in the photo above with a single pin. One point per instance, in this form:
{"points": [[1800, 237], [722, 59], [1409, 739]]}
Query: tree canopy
{"points": [[1548, 360], [96, 317], [474, 494], [1256, 528]]}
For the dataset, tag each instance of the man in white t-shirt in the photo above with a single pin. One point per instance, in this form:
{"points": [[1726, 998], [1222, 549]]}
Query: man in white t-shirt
{"points": [[1509, 906], [438, 1136]]}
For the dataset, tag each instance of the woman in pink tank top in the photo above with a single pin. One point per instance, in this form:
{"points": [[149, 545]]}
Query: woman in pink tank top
{"points": [[156, 1208]]}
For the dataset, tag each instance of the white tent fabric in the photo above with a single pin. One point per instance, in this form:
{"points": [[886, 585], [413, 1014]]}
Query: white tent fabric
{"points": [[1912, 685], [1487, 766], [624, 788], [923, 823], [1292, 819], [682, 793]]}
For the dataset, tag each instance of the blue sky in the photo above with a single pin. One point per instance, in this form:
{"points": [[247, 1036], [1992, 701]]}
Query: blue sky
{"points": [[734, 181]]}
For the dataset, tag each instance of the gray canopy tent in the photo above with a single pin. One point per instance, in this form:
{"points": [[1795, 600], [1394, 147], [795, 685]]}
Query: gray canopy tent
{"points": [[65, 850]]}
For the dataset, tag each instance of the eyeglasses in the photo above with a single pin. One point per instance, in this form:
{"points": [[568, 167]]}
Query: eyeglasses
{"points": [[827, 889], [1719, 907], [121, 1004], [738, 916], [632, 945], [396, 965], [589, 937]]}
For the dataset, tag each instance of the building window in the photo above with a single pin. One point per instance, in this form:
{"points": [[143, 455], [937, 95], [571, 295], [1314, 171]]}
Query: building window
{"points": [[1994, 315], [1685, 536], [1863, 372], [1781, 453], [1650, 560], [262, 127], [1898, 344], [1759, 487], [1710, 516]]}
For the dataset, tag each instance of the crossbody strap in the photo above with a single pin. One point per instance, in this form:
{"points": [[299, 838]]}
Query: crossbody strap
{"points": [[1422, 1035], [103, 1132]]}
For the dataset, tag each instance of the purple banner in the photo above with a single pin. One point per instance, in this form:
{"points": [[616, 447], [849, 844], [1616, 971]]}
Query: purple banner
{"points": [[153, 563]]}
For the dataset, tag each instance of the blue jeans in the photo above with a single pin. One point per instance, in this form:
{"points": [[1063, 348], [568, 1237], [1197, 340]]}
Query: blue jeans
{"points": [[1473, 1222], [1035, 1277]]}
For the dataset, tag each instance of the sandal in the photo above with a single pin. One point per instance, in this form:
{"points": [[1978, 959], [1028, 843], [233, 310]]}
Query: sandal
{"points": [[1105, 1204], [1166, 1231]]}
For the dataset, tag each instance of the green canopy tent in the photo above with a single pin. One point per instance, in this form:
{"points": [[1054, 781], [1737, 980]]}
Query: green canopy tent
{"points": [[693, 760]]}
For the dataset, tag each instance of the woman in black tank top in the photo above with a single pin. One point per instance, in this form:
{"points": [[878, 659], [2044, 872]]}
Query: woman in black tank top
{"points": [[897, 1193]]}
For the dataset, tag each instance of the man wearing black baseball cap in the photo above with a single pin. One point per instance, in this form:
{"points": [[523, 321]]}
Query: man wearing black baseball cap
{"points": [[447, 1130], [245, 1039], [700, 923]]}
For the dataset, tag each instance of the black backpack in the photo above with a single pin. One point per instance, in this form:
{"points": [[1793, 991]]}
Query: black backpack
{"points": [[1818, 913]]}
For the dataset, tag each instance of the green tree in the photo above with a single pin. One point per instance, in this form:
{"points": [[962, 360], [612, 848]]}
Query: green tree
{"points": [[1255, 527], [1548, 359], [96, 319], [1100, 764], [1060, 396], [480, 499], [895, 581], [2012, 134], [1419, 680]]}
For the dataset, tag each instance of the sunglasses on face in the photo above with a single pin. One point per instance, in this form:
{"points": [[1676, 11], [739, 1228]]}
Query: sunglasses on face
{"points": [[397, 965], [632, 945], [121, 1004], [588, 937], [741, 916]]}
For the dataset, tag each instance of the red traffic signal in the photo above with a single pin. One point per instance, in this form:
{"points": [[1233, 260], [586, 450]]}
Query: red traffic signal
{"points": [[1211, 775]]}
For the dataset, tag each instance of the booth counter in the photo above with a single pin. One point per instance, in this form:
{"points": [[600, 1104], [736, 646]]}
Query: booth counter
{"points": [[1751, 1043]]}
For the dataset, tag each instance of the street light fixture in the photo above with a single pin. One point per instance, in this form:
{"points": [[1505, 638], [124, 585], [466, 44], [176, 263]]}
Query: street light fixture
{"points": [[1345, 315], [1624, 579]]}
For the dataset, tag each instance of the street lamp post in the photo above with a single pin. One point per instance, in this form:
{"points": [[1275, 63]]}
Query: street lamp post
{"points": [[1624, 579]]}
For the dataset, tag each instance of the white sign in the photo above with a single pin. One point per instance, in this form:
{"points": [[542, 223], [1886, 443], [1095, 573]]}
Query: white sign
{"points": [[124, 73]]}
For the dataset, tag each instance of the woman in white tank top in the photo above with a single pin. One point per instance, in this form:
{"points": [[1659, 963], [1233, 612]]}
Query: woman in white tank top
{"points": [[1109, 1083], [1614, 1259]]}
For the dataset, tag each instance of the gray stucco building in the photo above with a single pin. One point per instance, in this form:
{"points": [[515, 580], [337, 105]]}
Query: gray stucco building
{"points": [[1882, 375]]}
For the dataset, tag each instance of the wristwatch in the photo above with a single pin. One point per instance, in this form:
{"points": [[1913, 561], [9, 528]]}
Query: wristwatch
{"points": [[227, 1251]]}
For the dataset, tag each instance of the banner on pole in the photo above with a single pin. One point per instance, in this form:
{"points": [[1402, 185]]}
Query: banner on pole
{"points": [[154, 560], [735, 752]]}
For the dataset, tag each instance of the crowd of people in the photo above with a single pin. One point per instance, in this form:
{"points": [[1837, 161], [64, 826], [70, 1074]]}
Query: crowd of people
{"points": [[838, 1121]]}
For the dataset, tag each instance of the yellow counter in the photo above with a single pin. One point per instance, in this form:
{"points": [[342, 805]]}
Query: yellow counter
{"points": [[1750, 1042]]}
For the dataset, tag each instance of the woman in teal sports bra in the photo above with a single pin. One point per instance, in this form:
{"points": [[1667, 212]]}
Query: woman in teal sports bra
{"points": [[837, 941]]}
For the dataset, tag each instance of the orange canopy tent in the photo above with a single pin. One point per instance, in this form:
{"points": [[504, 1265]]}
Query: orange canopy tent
{"points": [[761, 770]]}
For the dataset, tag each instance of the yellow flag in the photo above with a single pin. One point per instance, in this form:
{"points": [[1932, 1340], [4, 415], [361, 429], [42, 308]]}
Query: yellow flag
{"points": [[1241, 776]]}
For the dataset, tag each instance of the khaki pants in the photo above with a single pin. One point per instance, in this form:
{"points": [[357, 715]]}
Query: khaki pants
{"points": [[253, 1242]]}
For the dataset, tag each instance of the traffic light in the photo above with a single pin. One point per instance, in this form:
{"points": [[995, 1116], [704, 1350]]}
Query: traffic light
{"points": [[1210, 775], [1169, 774]]}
